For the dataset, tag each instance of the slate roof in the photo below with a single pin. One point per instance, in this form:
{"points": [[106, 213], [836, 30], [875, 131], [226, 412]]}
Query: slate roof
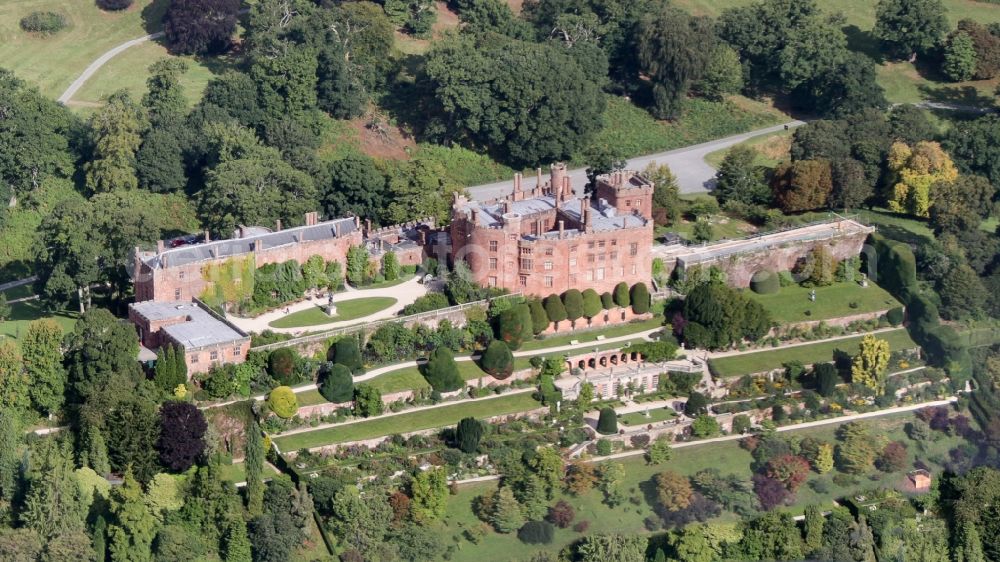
{"points": [[200, 329], [184, 255]]}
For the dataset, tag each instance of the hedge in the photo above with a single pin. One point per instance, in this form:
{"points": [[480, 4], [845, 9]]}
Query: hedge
{"points": [[640, 298], [539, 318], [895, 268], [573, 301], [554, 308], [621, 295], [607, 301], [765, 282], [895, 316], [591, 303]]}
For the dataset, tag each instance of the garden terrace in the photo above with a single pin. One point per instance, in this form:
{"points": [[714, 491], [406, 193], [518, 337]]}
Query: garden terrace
{"points": [[791, 304], [407, 422], [760, 361]]}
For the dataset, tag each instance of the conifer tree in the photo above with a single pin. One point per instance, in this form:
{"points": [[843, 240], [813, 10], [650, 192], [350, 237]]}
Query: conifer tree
{"points": [[134, 527], [254, 466]]}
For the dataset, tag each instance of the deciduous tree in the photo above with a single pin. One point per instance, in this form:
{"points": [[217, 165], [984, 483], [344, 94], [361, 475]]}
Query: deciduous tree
{"points": [[182, 435], [909, 27]]}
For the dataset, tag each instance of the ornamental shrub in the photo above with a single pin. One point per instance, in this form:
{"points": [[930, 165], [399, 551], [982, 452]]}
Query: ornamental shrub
{"points": [[536, 532], [497, 360], [591, 303], [607, 423], [346, 352], [539, 318], [895, 316], [45, 23], [441, 371], [640, 298], [282, 402], [282, 365], [515, 325], [336, 383], [468, 434], [607, 301], [765, 282], [114, 5], [554, 308], [621, 295], [573, 301]]}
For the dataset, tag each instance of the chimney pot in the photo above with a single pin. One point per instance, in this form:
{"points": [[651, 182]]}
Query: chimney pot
{"points": [[208, 237], [159, 246], [277, 225]]}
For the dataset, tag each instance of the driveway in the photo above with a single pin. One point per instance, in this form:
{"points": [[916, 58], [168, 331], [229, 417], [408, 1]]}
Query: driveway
{"points": [[694, 175]]}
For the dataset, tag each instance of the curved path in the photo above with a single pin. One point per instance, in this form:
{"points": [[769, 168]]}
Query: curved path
{"points": [[694, 175], [404, 293], [68, 94]]}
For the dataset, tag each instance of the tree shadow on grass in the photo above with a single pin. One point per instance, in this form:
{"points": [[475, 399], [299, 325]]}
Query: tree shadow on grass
{"points": [[862, 41], [960, 96]]}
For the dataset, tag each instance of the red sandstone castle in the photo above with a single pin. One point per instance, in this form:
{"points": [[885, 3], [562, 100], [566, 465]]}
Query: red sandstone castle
{"points": [[546, 241]]}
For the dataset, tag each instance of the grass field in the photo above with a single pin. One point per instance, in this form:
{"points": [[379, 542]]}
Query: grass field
{"points": [[23, 313], [346, 310], [584, 335], [236, 472], [128, 70], [758, 361], [640, 418], [309, 398], [790, 304], [628, 518], [771, 149], [415, 421]]}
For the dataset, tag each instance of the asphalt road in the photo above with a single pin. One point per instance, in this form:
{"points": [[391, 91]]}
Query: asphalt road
{"points": [[694, 175]]}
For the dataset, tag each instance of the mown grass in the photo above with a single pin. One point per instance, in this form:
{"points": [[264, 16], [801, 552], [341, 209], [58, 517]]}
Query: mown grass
{"points": [[407, 378], [758, 361], [629, 518], [772, 149], [640, 418], [562, 339], [791, 304], [415, 421], [23, 313], [130, 70], [346, 310]]}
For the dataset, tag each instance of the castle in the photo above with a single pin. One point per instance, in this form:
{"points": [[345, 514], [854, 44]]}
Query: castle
{"points": [[546, 241]]}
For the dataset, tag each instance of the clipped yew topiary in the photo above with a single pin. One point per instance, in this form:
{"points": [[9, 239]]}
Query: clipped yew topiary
{"points": [[554, 308], [336, 383], [282, 402], [573, 301], [497, 360], [536, 532], [621, 295], [441, 371], [607, 423], [539, 318], [607, 301], [591, 303], [515, 325], [346, 352], [640, 298], [765, 282]]}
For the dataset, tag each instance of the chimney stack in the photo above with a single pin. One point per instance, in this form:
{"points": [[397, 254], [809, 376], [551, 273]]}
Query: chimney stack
{"points": [[583, 211], [159, 246], [538, 175], [562, 228], [558, 171], [518, 195], [475, 215], [258, 245], [357, 222], [208, 237], [277, 225]]}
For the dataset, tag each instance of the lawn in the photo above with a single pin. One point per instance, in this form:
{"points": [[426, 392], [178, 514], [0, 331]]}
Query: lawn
{"points": [[23, 313], [792, 304], [414, 421], [771, 149], [386, 284], [310, 398], [628, 518], [759, 361], [346, 310], [129, 70], [236, 472], [724, 227], [640, 418], [407, 378]]}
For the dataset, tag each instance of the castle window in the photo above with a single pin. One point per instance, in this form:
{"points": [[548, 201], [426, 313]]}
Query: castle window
{"points": [[599, 274], [572, 262], [572, 249], [493, 245], [614, 242], [492, 281], [621, 272], [527, 263], [548, 281], [177, 294], [633, 269], [493, 264], [236, 351], [590, 258], [633, 248], [614, 256], [600, 244], [590, 245], [548, 251], [180, 275], [548, 266], [193, 358], [628, 202], [525, 251], [523, 280], [213, 356], [601, 257]]}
